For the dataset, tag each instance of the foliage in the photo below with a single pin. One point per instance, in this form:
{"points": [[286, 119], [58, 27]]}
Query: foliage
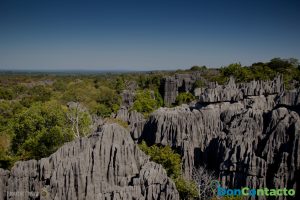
{"points": [[101, 100], [59, 86], [8, 110], [184, 97], [236, 70], [198, 68], [5, 159], [165, 156], [40, 130], [6, 93], [145, 102], [289, 68], [149, 81], [120, 84], [198, 84], [187, 189], [101, 110], [40, 93], [109, 98], [37, 93], [171, 161], [158, 98]]}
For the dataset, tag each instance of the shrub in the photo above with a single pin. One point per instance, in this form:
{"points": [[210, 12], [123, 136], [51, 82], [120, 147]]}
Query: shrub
{"points": [[184, 97], [6, 93], [165, 156], [171, 161], [198, 68], [187, 189], [144, 102], [198, 84]]}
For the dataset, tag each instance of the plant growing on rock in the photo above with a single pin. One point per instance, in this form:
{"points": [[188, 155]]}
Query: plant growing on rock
{"points": [[171, 161]]}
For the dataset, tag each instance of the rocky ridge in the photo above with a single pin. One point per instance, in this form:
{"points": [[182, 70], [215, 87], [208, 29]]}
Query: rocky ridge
{"points": [[105, 165], [249, 133], [135, 120]]}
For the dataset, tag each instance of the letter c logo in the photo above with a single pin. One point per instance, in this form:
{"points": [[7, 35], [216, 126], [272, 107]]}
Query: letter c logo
{"points": [[245, 191]]}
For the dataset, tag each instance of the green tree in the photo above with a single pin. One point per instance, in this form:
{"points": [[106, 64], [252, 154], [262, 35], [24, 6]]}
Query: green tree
{"points": [[40, 93], [279, 65], [6, 93], [165, 156], [199, 84], [241, 74], [5, 158], [198, 68], [8, 110], [40, 130], [145, 102], [120, 84]]}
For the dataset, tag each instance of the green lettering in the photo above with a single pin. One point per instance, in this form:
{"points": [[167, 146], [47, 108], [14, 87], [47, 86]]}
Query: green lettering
{"points": [[245, 191], [260, 192], [292, 192], [279, 192], [266, 191], [273, 192]]}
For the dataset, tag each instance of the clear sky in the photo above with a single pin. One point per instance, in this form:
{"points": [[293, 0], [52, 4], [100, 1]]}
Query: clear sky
{"points": [[145, 34]]}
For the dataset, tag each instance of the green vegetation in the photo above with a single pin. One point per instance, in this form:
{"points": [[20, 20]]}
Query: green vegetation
{"points": [[171, 161], [147, 101], [198, 84], [40, 112], [289, 68], [40, 130], [198, 68], [184, 97]]}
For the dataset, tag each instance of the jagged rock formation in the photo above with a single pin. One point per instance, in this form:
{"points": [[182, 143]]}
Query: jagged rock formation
{"points": [[290, 98], [233, 92], [172, 85], [127, 98], [128, 94], [105, 165], [135, 120], [249, 133]]}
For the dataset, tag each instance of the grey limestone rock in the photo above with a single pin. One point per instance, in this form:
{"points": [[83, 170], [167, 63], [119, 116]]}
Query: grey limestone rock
{"points": [[233, 92], [134, 119], [127, 98], [105, 165], [172, 85], [290, 98], [229, 92], [249, 133]]}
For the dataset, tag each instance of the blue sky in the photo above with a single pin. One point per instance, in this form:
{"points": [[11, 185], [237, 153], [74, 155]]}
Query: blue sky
{"points": [[145, 34]]}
